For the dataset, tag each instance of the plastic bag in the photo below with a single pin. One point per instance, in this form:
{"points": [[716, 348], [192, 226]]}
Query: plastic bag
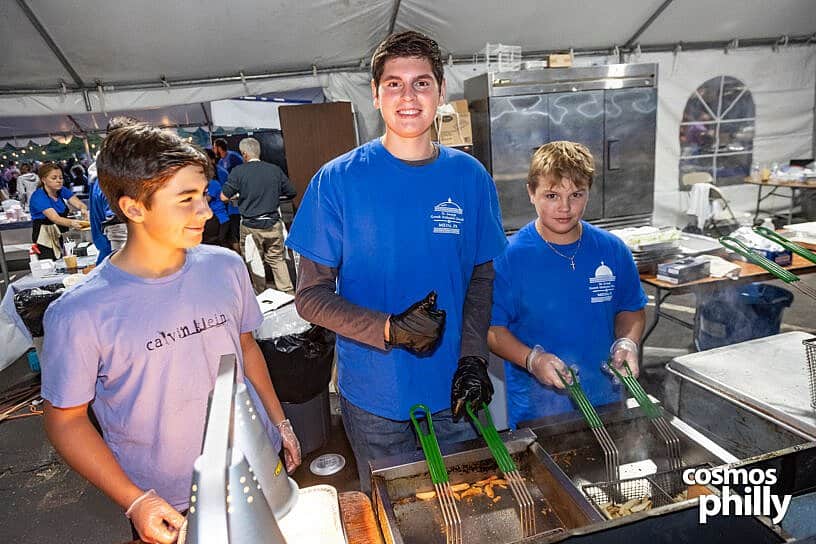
{"points": [[300, 364], [32, 303]]}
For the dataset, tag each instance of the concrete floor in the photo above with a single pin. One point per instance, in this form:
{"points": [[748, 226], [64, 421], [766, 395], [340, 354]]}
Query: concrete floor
{"points": [[45, 502]]}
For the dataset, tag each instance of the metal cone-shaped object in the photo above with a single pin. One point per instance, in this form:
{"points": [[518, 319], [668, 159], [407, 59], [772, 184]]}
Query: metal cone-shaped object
{"points": [[249, 436], [250, 518]]}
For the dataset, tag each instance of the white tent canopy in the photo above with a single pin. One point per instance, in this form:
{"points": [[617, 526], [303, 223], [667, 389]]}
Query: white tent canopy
{"points": [[104, 47], [89, 58]]}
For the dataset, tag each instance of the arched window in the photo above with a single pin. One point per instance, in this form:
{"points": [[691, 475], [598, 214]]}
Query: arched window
{"points": [[717, 131]]}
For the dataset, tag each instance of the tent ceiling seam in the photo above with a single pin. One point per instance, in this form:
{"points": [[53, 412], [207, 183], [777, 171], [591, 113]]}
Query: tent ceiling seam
{"points": [[355, 67], [652, 18], [49, 41]]}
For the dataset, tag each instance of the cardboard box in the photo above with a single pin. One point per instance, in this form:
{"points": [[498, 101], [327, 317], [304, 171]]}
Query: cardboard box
{"points": [[453, 130], [559, 61], [684, 270]]}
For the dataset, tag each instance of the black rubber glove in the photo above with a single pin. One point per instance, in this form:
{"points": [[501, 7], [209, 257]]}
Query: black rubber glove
{"points": [[419, 328], [471, 384]]}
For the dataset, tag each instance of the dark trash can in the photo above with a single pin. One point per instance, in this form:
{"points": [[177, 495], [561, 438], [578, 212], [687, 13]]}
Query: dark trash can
{"points": [[738, 314], [300, 367]]}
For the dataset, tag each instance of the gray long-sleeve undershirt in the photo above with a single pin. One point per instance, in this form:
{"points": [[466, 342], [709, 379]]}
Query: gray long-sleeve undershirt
{"points": [[317, 301]]}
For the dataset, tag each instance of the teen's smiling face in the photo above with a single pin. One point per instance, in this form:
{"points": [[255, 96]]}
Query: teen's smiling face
{"points": [[407, 96], [178, 210]]}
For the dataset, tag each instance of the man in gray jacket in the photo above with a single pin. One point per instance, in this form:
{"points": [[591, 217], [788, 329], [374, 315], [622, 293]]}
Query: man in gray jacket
{"points": [[259, 186]]}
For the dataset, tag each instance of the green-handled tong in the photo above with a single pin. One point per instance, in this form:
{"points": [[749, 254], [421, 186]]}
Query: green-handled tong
{"points": [[576, 393], [774, 236], [652, 412], [508, 468], [787, 276], [439, 475]]}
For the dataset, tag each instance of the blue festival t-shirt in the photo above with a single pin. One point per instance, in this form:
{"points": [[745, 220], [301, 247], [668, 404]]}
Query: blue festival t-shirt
{"points": [[148, 356], [216, 204], [570, 313], [40, 201], [99, 213], [223, 175], [396, 232]]}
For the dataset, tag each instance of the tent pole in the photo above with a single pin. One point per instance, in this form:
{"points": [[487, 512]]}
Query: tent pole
{"points": [[631, 41], [394, 13], [49, 41]]}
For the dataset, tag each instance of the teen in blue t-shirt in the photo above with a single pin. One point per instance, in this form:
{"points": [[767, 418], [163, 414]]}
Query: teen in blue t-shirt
{"points": [[565, 291], [396, 239]]}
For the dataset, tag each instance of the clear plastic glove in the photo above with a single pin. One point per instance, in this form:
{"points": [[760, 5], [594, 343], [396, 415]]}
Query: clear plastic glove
{"points": [[546, 367], [419, 328], [625, 349], [471, 385], [291, 446], [156, 521]]}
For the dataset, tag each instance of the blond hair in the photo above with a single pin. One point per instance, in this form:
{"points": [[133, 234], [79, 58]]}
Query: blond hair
{"points": [[562, 159]]}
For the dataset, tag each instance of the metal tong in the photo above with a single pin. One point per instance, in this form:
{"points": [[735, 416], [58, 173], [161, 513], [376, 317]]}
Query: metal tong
{"points": [[793, 247], [508, 467], [439, 476], [785, 275], [652, 412], [611, 458]]}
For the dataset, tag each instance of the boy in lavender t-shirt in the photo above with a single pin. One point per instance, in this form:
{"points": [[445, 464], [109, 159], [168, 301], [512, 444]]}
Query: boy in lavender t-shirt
{"points": [[155, 328]]}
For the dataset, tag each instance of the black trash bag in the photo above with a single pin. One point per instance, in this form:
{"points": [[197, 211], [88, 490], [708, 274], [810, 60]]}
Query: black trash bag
{"points": [[300, 364], [32, 303]]}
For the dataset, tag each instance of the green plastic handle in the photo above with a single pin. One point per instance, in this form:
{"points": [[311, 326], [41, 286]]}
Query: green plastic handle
{"points": [[774, 236]]}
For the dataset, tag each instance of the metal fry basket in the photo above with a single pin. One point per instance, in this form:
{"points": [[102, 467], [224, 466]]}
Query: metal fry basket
{"points": [[661, 488], [810, 366]]}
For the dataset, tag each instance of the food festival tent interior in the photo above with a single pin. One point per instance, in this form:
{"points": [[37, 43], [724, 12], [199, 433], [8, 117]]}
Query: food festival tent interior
{"points": [[69, 65]]}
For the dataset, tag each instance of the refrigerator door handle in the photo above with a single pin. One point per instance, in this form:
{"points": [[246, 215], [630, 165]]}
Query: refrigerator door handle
{"points": [[612, 159]]}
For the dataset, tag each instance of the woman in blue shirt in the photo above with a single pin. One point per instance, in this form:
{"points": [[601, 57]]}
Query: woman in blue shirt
{"points": [[49, 208]]}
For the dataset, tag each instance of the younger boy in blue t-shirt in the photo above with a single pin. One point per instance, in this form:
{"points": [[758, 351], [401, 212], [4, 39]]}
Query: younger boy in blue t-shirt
{"points": [[155, 328], [565, 291]]}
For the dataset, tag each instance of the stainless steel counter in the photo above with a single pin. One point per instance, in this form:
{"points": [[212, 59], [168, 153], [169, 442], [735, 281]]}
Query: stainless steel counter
{"points": [[766, 376]]}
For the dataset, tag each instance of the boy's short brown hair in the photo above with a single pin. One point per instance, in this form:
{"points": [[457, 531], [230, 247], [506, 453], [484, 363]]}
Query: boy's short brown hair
{"points": [[562, 159], [136, 160], [407, 44]]}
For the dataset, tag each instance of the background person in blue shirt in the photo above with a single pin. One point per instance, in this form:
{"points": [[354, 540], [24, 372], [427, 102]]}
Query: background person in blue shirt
{"points": [[566, 293], [215, 229], [223, 166], [396, 240], [104, 222], [227, 159], [49, 205]]}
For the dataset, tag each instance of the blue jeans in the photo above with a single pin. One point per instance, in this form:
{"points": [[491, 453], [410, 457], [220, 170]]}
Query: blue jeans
{"points": [[373, 437]]}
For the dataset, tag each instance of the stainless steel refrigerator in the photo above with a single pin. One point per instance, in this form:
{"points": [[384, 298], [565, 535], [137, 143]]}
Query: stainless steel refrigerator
{"points": [[610, 109]]}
